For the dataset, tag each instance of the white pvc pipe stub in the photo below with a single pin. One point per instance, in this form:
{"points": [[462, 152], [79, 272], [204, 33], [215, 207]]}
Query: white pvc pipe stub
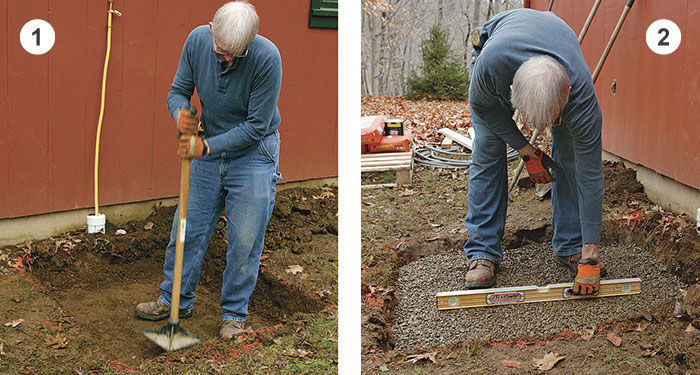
{"points": [[96, 224]]}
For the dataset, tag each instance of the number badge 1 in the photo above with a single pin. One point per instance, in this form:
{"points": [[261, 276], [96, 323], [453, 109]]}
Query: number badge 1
{"points": [[37, 37]]}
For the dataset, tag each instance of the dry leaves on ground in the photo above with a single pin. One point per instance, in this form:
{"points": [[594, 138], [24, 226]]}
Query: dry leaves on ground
{"points": [[294, 269], [14, 323], [614, 339], [149, 225], [548, 361], [427, 356], [511, 363], [692, 330], [56, 342], [587, 334], [301, 353]]}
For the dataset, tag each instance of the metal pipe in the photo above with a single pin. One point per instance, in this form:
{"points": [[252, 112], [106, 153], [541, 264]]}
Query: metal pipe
{"points": [[551, 3]]}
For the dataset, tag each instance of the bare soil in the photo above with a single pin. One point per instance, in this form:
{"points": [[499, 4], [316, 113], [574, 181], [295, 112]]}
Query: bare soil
{"points": [[403, 225], [84, 288]]}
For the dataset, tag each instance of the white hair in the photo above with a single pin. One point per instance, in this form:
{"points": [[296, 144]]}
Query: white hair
{"points": [[234, 26], [540, 91]]}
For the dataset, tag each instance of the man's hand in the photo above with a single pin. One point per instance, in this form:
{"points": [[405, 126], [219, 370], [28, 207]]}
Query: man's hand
{"points": [[587, 281], [186, 122], [538, 164], [192, 146]]}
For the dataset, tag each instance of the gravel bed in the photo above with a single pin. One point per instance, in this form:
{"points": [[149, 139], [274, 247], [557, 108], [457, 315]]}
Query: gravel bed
{"points": [[419, 324]]}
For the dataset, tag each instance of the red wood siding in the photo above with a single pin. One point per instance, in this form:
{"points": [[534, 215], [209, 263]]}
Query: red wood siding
{"points": [[49, 104], [653, 119]]}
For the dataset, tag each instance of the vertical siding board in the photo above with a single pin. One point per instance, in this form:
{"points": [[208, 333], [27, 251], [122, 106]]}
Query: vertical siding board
{"points": [[309, 90], [27, 114], [689, 152], [173, 28], [5, 175], [66, 125], [109, 157], [136, 136]]}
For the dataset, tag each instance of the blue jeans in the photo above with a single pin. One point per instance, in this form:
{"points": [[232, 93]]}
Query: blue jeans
{"points": [[488, 196], [241, 184]]}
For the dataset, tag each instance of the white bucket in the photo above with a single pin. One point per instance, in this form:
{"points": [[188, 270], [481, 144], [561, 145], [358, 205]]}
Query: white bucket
{"points": [[96, 224]]}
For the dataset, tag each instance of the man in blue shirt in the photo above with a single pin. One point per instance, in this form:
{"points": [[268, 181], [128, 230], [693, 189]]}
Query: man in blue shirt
{"points": [[238, 75], [531, 60]]}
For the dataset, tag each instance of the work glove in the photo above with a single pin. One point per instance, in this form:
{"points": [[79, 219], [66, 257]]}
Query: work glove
{"points": [[587, 281], [538, 167], [186, 121], [192, 146]]}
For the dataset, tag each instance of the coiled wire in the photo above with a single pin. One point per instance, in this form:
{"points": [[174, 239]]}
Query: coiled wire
{"points": [[431, 156]]}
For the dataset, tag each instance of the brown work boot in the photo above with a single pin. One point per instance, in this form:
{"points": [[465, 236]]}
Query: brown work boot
{"points": [[481, 274], [157, 310], [231, 328], [571, 262]]}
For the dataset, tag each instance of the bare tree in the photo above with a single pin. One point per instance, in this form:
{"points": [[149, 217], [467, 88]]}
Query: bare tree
{"points": [[392, 31]]}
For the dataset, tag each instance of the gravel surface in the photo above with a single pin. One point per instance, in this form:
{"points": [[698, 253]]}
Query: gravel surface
{"points": [[419, 324]]}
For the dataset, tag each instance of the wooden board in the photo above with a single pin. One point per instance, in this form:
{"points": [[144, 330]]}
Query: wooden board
{"points": [[532, 293], [459, 138], [401, 162]]}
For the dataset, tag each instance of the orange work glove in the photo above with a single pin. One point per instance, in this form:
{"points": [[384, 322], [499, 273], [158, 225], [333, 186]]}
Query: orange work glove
{"points": [[192, 146], [186, 121], [538, 167], [587, 281]]}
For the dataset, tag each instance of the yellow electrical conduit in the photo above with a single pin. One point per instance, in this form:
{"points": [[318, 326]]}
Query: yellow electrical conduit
{"points": [[102, 98]]}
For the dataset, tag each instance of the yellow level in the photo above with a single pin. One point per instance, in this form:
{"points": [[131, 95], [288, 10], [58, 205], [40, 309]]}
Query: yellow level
{"points": [[526, 294]]}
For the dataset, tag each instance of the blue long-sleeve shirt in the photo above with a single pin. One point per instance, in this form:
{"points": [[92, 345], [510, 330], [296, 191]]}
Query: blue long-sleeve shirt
{"points": [[509, 39], [239, 103]]}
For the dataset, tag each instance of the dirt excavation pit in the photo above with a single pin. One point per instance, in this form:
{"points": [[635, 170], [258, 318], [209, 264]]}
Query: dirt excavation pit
{"points": [[93, 282], [419, 324]]}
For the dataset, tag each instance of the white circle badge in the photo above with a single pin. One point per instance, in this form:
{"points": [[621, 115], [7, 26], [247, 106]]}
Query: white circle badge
{"points": [[663, 37], [37, 37]]}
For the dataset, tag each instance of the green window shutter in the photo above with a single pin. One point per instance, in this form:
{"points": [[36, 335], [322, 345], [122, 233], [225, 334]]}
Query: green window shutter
{"points": [[324, 14]]}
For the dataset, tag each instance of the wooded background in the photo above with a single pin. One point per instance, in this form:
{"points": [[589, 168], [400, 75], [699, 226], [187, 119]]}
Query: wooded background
{"points": [[392, 31]]}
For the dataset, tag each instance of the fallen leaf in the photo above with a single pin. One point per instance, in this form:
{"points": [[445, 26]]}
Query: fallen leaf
{"points": [[431, 239], [417, 357], [295, 269], [56, 342], [2, 348], [216, 366], [692, 330], [14, 323], [678, 310], [383, 368], [548, 361], [46, 324], [587, 334], [301, 353], [323, 293], [614, 339], [649, 353], [511, 363], [435, 225], [641, 327], [149, 225]]}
